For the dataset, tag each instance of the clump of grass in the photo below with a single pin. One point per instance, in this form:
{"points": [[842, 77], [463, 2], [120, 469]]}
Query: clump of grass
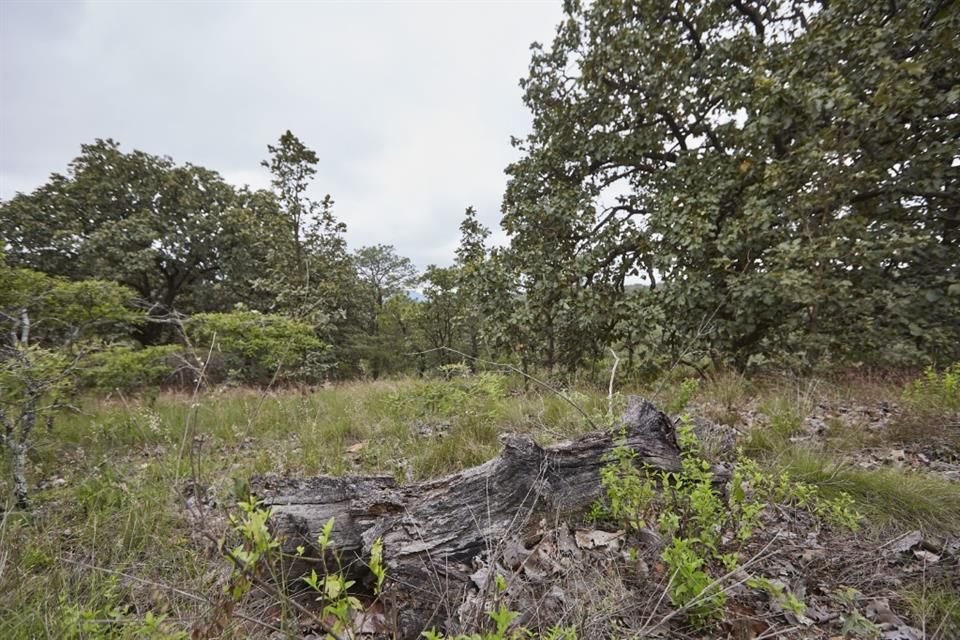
{"points": [[935, 609], [465, 446], [890, 498], [935, 391], [723, 394], [785, 416], [930, 408]]}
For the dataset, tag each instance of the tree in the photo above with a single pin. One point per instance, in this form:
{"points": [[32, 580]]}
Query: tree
{"points": [[442, 311], [473, 279], [382, 275], [51, 327], [257, 348], [309, 271], [383, 272], [782, 174], [292, 166], [165, 231]]}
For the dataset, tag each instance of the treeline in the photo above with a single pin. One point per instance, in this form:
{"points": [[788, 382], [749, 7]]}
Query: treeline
{"points": [[175, 270], [715, 184]]}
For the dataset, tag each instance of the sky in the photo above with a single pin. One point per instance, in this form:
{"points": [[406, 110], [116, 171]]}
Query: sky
{"points": [[409, 105]]}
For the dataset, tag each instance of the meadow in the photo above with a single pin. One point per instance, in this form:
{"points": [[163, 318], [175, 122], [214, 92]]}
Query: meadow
{"points": [[130, 494]]}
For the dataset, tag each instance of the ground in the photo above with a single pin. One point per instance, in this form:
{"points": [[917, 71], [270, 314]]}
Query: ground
{"points": [[131, 495]]}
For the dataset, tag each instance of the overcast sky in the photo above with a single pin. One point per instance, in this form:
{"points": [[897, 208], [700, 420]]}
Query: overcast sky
{"points": [[409, 105]]}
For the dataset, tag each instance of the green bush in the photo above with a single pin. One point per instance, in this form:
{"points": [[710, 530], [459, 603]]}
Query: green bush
{"points": [[704, 534], [257, 348], [931, 408], [127, 368]]}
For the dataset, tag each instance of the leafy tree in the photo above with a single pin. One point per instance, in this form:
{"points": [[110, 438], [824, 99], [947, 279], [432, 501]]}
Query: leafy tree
{"points": [[782, 175], [293, 167], [382, 275], [473, 279], [441, 317], [383, 272], [309, 264], [400, 338], [165, 231], [52, 328]]}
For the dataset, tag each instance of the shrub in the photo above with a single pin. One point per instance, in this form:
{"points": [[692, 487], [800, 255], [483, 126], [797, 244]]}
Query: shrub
{"points": [[931, 407], [935, 391], [257, 348], [127, 368]]}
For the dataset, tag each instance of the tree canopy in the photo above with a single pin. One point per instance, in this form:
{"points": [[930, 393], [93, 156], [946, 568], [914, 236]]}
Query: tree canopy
{"points": [[783, 173]]}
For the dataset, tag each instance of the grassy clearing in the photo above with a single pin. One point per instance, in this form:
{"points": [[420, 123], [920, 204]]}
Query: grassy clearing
{"points": [[109, 541]]}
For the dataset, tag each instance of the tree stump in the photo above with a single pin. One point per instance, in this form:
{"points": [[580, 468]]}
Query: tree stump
{"points": [[433, 530]]}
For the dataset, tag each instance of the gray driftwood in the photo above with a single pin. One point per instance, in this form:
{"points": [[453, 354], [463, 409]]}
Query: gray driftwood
{"points": [[432, 531]]}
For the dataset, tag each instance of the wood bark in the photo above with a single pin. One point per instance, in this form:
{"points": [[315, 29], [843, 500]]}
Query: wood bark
{"points": [[434, 530]]}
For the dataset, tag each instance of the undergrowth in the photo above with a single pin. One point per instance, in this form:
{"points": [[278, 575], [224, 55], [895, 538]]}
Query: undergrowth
{"points": [[704, 535]]}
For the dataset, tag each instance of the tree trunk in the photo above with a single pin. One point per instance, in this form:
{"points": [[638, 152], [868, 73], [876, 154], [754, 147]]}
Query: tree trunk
{"points": [[431, 531]]}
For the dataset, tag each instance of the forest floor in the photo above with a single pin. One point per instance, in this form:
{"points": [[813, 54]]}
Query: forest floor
{"points": [[131, 495]]}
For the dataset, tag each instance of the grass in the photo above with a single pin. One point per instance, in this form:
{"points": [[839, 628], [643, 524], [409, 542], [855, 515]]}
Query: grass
{"points": [[108, 539], [113, 480], [889, 498], [937, 608], [931, 409]]}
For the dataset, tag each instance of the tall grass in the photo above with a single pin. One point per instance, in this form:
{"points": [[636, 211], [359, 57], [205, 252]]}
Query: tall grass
{"points": [[890, 498]]}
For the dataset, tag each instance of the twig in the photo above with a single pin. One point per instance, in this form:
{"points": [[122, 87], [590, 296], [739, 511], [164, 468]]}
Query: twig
{"points": [[190, 427], [687, 348], [267, 587], [150, 583], [613, 375]]}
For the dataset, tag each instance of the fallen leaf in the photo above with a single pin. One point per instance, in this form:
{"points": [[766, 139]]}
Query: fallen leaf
{"points": [[926, 556], [596, 539], [356, 448]]}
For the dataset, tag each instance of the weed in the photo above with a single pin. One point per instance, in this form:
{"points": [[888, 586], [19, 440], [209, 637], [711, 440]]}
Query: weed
{"points": [[705, 534], [682, 396], [931, 408], [502, 617], [936, 391]]}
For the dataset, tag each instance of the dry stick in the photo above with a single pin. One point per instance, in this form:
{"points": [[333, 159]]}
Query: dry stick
{"points": [[681, 358], [263, 398], [195, 481], [780, 633], [497, 549], [3, 531], [191, 424], [613, 375], [510, 367]]}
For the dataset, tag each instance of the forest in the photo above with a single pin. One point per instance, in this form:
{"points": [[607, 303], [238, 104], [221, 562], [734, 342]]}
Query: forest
{"points": [[746, 212]]}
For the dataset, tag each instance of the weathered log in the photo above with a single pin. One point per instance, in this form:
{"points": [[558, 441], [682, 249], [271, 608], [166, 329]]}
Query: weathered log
{"points": [[432, 530]]}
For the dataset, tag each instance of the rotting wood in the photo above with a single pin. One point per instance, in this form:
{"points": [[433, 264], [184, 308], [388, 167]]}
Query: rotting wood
{"points": [[431, 531]]}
